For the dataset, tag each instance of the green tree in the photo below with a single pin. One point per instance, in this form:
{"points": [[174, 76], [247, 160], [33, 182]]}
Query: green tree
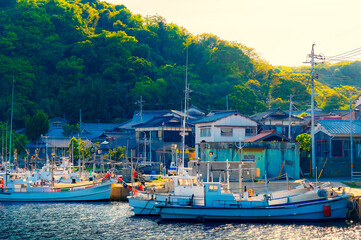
{"points": [[115, 154], [70, 130], [36, 125], [77, 146], [334, 101], [305, 141], [245, 100]]}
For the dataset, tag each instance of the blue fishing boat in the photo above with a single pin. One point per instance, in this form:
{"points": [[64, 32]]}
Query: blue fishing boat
{"points": [[219, 204]]}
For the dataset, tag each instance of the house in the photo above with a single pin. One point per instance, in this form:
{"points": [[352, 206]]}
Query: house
{"points": [[156, 136], [276, 119], [223, 127], [139, 117], [333, 148], [55, 143]]}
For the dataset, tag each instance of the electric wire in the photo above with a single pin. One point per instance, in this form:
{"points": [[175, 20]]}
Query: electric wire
{"points": [[346, 56]]}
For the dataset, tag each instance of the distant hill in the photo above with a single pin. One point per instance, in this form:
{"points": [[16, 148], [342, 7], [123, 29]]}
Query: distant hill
{"points": [[67, 55]]}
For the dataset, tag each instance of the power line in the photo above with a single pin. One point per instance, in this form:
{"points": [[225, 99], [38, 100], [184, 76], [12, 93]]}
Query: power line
{"points": [[346, 56], [346, 53]]}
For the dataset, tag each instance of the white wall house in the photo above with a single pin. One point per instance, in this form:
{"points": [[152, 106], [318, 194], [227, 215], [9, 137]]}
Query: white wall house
{"points": [[226, 126]]}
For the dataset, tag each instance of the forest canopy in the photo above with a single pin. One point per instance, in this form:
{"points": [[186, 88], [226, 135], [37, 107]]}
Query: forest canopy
{"points": [[66, 55]]}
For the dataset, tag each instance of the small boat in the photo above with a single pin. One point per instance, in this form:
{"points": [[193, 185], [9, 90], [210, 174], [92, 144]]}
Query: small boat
{"points": [[316, 204], [15, 188]]}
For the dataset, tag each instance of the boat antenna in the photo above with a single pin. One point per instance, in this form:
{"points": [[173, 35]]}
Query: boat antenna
{"points": [[11, 121]]}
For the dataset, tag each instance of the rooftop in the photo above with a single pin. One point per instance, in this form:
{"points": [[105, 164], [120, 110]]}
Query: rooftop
{"points": [[215, 116], [268, 134], [338, 126]]}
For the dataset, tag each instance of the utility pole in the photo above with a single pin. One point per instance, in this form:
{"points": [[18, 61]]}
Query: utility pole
{"points": [[269, 100], [351, 138], [289, 118], [312, 56], [186, 98], [140, 103]]}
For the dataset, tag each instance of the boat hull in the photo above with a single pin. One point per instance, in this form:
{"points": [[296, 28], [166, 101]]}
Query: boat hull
{"points": [[143, 206], [147, 205], [303, 211], [99, 192]]}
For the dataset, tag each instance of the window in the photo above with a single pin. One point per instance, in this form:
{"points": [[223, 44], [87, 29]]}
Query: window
{"points": [[184, 182], [250, 132], [279, 129], [346, 148], [227, 132], [205, 132], [336, 148], [213, 188]]}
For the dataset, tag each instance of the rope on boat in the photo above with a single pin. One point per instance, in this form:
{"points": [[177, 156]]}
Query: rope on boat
{"points": [[146, 206]]}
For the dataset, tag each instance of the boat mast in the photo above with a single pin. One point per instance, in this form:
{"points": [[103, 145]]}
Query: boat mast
{"points": [[79, 159], [11, 121]]}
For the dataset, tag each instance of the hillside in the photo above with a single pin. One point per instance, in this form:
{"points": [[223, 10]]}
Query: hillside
{"points": [[66, 55]]}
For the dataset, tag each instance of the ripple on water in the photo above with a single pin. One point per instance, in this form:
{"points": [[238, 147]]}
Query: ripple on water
{"points": [[116, 221]]}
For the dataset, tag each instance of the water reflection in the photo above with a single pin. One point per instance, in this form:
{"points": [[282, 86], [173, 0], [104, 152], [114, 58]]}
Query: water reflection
{"points": [[116, 221]]}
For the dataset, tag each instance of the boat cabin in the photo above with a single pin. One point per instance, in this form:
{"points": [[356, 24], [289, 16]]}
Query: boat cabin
{"points": [[215, 196], [187, 186]]}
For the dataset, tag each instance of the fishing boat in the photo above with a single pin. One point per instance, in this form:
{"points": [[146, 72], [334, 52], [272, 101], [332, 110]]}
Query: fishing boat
{"points": [[316, 204], [15, 188], [60, 173], [186, 188]]}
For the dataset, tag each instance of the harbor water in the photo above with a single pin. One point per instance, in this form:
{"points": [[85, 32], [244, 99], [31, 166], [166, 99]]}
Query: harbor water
{"points": [[115, 220]]}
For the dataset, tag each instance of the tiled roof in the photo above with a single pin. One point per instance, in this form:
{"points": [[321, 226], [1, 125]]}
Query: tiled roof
{"points": [[146, 116], [55, 133], [94, 130], [168, 121], [335, 127], [266, 134], [274, 114], [215, 116], [120, 141]]}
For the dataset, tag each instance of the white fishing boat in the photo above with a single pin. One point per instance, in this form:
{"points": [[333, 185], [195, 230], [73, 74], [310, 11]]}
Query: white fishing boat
{"points": [[60, 173], [186, 188], [16, 188], [316, 204]]}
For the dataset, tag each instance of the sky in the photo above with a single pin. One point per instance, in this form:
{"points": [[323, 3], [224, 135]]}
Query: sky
{"points": [[281, 31]]}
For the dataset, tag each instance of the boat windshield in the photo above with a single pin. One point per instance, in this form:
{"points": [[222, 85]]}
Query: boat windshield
{"points": [[195, 182], [184, 182], [213, 188]]}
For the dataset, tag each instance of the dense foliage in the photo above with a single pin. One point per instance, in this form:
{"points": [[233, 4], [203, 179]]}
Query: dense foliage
{"points": [[36, 125], [67, 55]]}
